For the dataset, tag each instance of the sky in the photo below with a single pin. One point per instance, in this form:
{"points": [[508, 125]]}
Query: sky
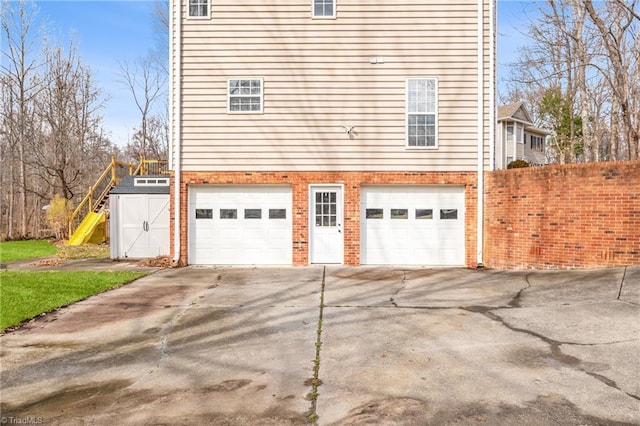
{"points": [[109, 31], [106, 33]]}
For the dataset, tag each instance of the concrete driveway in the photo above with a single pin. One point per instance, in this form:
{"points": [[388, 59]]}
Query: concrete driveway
{"points": [[344, 346]]}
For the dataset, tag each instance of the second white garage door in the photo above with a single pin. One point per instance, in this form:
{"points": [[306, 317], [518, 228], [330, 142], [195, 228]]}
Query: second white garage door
{"points": [[240, 225], [412, 225]]}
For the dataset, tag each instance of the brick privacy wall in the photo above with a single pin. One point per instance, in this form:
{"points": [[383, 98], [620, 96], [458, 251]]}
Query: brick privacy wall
{"points": [[563, 217], [300, 181]]}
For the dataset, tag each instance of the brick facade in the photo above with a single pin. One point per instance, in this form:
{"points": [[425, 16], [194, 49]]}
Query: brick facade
{"points": [[352, 181], [559, 217]]}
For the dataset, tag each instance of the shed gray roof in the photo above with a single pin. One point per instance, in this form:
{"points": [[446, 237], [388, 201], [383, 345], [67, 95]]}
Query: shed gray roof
{"points": [[127, 186]]}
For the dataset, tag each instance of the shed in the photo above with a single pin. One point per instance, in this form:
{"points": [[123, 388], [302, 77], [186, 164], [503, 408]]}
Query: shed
{"points": [[139, 217]]}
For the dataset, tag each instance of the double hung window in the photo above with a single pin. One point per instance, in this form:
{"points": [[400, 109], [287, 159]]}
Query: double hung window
{"points": [[245, 95], [323, 8], [198, 9], [422, 113]]}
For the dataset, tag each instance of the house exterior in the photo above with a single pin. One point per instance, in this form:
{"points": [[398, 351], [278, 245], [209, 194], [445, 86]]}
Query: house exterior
{"points": [[517, 138], [330, 131]]}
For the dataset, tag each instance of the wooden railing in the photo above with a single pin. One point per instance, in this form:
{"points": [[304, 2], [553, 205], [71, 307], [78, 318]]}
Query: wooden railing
{"points": [[99, 192], [152, 167]]}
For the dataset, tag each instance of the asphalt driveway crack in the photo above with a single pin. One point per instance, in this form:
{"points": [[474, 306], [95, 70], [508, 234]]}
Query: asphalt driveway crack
{"points": [[403, 283], [515, 301], [555, 346], [624, 274]]}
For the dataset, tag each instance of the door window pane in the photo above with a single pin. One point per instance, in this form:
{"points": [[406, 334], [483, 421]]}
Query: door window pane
{"points": [[228, 213], [399, 214], [252, 213], [374, 213], [447, 214], [326, 209], [204, 214], [424, 213], [277, 213]]}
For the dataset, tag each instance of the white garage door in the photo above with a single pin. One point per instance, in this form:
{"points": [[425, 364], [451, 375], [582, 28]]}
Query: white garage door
{"points": [[412, 225], [240, 225]]}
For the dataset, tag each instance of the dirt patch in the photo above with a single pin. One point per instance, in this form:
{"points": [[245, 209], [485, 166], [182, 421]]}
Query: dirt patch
{"points": [[72, 399], [545, 410], [406, 411], [158, 262], [108, 308], [228, 386]]}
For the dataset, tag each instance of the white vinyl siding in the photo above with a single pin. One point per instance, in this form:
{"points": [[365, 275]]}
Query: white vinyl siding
{"points": [[319, 78], [422, 113], [198, 8], [323, 8]]}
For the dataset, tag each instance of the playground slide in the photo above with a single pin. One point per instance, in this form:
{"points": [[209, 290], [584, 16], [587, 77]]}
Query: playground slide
{"points": [[91, 230]]}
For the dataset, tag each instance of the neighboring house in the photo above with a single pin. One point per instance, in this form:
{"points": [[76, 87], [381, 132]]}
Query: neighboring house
{"points": [[330, 131], [517, 138]]}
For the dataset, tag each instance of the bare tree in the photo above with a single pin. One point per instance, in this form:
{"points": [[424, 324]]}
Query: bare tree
{"points": [[69, 112], [588, 59], [147, 84], [19, 70], [614, 35]]}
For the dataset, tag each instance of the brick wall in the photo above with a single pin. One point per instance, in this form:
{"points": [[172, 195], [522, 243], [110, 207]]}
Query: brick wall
{"points": [[300, 181], [572, 216]]}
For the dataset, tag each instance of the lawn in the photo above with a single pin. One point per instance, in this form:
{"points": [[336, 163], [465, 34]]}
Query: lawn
{"points": [[10, 251], [24, 295]]}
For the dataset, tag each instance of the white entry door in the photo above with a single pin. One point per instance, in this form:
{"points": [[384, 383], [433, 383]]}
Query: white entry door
{"points": [[326, 224]]}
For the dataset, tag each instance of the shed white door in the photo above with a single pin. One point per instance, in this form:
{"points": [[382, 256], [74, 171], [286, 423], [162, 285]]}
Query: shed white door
{"points": [[412, 225], [240, 225], [144, 225]]}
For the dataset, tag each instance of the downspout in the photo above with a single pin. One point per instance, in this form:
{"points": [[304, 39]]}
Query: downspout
{"points": [[480, 203], [492, 86], [176, 101]]}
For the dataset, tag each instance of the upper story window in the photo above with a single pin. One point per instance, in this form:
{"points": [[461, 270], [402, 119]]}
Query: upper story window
{"points": [[509, 132], [323, 8], [245, 95], [198, 9], [422, 113], [537, 143]]}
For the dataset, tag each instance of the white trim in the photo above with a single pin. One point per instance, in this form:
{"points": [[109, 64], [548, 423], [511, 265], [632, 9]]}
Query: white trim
{"points": [[313, 15], [261, 111], [176, 130], [197, 17], [480, 204], [311, 221], [151, 181], [492, 85], [407, 114]]}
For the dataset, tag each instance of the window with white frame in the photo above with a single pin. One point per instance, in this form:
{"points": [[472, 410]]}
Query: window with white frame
{"points": [[519, 133], [510, 132], [422, 112], [198, 8], [245, 95], [324, 8]]}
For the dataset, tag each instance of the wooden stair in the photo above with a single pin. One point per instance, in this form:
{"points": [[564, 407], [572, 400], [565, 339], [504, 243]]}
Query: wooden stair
{"points": [[87, 221]]}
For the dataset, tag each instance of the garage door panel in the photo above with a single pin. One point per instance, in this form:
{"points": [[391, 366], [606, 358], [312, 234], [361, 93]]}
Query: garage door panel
{"points": [[247, 235], [429, 232]]}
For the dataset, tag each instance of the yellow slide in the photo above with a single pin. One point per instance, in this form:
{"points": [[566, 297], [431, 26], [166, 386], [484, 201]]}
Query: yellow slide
{"points": [[91, 230]]}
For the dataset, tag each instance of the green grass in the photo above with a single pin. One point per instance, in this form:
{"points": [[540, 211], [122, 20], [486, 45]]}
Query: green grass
{"points": [[10, 251], [24, 295]]}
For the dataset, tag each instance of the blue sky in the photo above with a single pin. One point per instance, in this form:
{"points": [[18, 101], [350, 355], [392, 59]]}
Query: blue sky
{"points": [[109, 31], [106, 32]]}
